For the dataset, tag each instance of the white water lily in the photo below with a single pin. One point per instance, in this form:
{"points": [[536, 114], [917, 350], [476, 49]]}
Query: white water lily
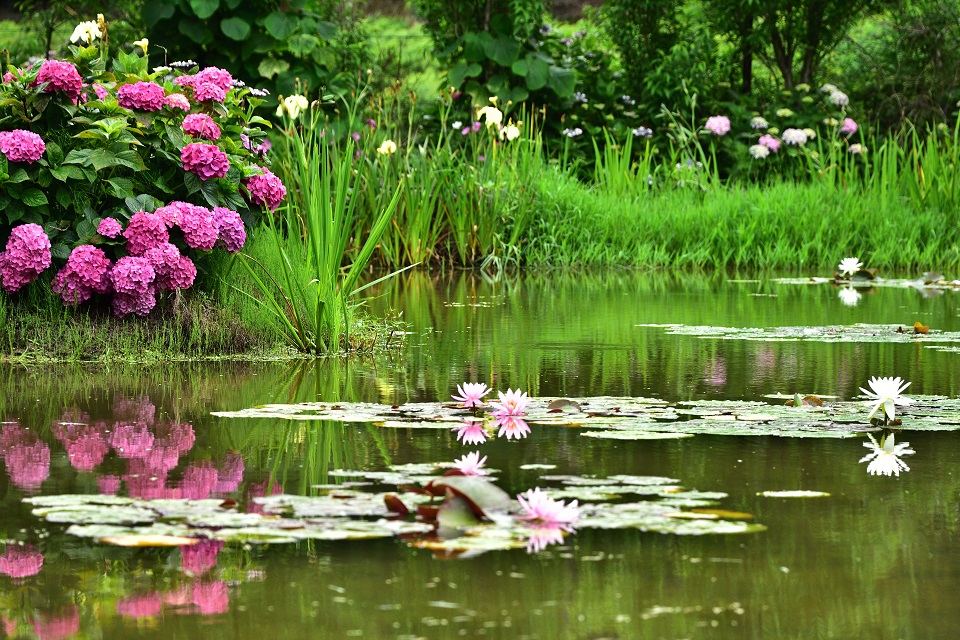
{"points": [[849, 266], [886, 392], [849, 296], [885, 457], [86, 32]]}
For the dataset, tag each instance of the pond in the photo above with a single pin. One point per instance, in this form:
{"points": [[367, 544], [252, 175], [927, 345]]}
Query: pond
{"points": [[876, 557]]}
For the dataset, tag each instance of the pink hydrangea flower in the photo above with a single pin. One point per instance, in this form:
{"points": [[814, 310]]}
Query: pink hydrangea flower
{"points": [[471, 393], [109, 228], [163, 258], [182, 276], [216, 76], [184, 81], [205, 160], [849, 127], [199, 227], [769, 142], [233, 235], [145, 231], [514, 427], [133, 279], [21, 561], [26, 256], [471, 432], [207, 91], [140, 304], [718, 125], [540, 509], [197, 559], [60, 76], [101, 91], [512, 403], [21, 145], [171, 212], [87, 272], [145, 96], [200, 125], [266, 189], [177, 101], [471, 464]]}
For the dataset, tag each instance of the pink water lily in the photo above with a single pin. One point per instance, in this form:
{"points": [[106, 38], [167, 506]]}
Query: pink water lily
{"points": [[541, 537], [471, 393], [512, 427], [471, 464], [471, 432], [540, 509], [512, 403]]}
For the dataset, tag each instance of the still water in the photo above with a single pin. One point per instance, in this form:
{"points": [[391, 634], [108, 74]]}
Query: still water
{"points": [[878, 558]]}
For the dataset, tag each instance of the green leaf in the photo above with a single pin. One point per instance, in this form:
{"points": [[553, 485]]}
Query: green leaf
{"points": [[14, 211], [463, 70], [324, 57], [121, 187], [86, 230], [326, 30], [64, 173], [54, 154], [270, 67], [503, 50], [473, 47], [280, 25], [64, 197], [562, 81], [156, 10], [34, 197], [192, 182], [232, 4], [235, 28], [60, 251], [204, 8], [196, 31], [18, 175], [537, 74], [302, 44], [520, 67]]}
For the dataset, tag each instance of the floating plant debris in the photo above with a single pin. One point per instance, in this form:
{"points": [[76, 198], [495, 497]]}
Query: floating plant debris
{"points": [[929, 280], [833, 333]]}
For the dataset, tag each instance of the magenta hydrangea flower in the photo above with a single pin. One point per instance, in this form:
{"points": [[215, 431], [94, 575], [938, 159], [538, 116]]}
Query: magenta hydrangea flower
{"points": [[849, 127], [26, 256], [199, 227], [200, 125], [539, 508], [769, 142], [133, 279], [230, 225], [21, 561], [171, 212], [471, 393], [471, 432], [21, 145], [215, 76], [145, 96], [266, 189], [471, 464], [177, 101], [60, 76], [182, 276], [101, 91], [145, 231], [512, 403], [87, 272], [718, 125], [109, 228], [205, 160], [131, 441], [207, 91], [514, 427], [184, 81], [164, 259]]}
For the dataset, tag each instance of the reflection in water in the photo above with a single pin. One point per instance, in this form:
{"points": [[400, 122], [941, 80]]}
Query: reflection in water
{"points": [[64, 624], [204, 598], [471, 432], [512, 427], [849, 296], [27, 458], [541, 537], [885, 457], [21, 561], [197, 559]]}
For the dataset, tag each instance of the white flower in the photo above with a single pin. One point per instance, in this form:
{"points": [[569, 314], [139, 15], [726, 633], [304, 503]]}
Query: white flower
{"points": [[828, 88], [387, 148], [849, 266], [457, 125], [510, 132], [810, 133], [839, 98], [758, 122], [886, 456], [856, 148], [759, 151], [492, 115], [143, 43], [87, 32], [886, 392], [794, 136], [784, 113], [292, 106], [849, 296]]}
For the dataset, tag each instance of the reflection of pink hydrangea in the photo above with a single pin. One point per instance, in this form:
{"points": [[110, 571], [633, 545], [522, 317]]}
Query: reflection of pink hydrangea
{"points": [[145, 96], [177, 101], [230, 225], [28, 465], [65, 624], [199, 558], [60, 76], [146, 484], [87, 272], [27, 255], [21, 561], [199, 227], [266, 189], [205, 160], [133, 409], [163, 457], [131, 440], [182, 434], [145, 231], [21, 145], [230, 474], [144, 605], [199, 480], [200, 125], [85, 445], [109, 228], [207, 91], [215, 76], [108, 484], [211, 598], [260, 490]]}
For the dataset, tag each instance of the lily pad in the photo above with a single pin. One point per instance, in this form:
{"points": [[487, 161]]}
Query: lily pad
{"points": [[895, 333]]}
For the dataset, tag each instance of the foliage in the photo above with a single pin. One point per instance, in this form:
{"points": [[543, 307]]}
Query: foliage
{"points": [[44, 20], [321, 43]]}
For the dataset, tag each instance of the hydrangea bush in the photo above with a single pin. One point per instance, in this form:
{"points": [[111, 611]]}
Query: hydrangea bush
{"points": [[121, 178]]}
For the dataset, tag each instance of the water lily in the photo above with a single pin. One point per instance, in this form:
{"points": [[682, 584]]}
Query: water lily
{"points": [[886, 392], [849, 296], [471, 432], [471, 393], [514, 427], [849, 266], [541, 509], [471, 464], [885, 457], [387, 148], [512, 403], [541, 537]]}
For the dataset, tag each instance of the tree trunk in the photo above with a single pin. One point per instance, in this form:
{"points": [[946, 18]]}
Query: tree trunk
{"points": [[746, 55], [784, 59]]}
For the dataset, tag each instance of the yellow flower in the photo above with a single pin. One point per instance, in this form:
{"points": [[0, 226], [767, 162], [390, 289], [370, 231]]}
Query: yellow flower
{"points": [[387, 148], [142, 44], [493, 115], [87, 32], [292, 106]]}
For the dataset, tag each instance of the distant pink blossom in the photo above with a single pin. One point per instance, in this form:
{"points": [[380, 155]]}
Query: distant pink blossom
{"points": [[132, 275], [849, 127], [184, 81], [21, 561], [266, 189], [471, 432], [28, 465], [514, 427], [200, 125], [60, 76], [177, 101], [199, 480], [205, 160], [109, 228], [471, 393], [540, 509], [718, 125], [769, 142], [144, 96], [471, 464], [216, 76], [141, 303], [512, 403], [21, 145], [101, 91]]}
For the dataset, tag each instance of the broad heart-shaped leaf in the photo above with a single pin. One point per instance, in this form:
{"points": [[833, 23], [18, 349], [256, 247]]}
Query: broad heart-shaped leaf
{"points": [[235, 28], [195, 30], [326, 30], [502, 50], [562, 81], [302, 44], [473, 49], [204, 8], [463, 70], [280, 25], [270, 67], [535, 71], [156, 10]]}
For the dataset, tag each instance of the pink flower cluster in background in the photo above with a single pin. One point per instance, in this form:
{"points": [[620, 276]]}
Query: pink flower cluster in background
{"points": [[769, 142], [145, 96], [200, 125], [205, 160], [60, 76], [26, 256], [87, 272], [718, 125], [177, 101], [233, 235], [21, 145], [266, 189]]}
